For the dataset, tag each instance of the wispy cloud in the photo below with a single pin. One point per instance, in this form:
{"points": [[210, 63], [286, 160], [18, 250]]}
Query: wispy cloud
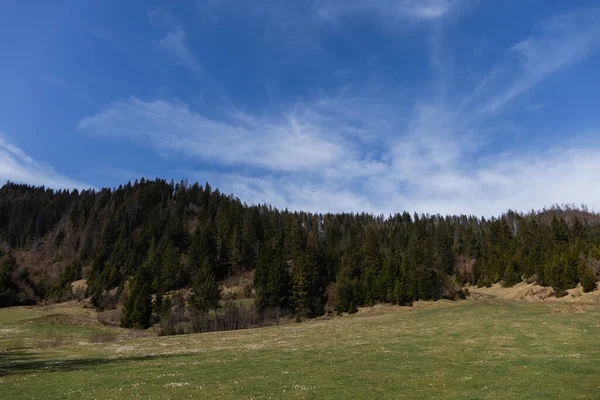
{"points": [[370, 151], [560, 43], [517, 181], [429, 161], [174, 41], [16, 166], [285, 142], [330, 10], [413, 10], [175, 44], [298, 26]]}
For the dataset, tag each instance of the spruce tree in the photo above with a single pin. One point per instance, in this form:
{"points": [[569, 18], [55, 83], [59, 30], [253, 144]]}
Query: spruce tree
{"points": [[137, 309], [206, 292], [588, 281], [301, 285]]}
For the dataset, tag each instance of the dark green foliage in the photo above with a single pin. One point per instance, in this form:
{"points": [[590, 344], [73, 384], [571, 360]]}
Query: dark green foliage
{"points": [[510, 276], [352, 309], [137, 310], [301, 279], [170, 270], [179, 235], [588, 281], [271, 279], [8, 287], [62, 290], [16, 287], [206, 292]]}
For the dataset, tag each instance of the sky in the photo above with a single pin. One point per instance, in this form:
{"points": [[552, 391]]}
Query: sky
{"points": [[437, 106]]}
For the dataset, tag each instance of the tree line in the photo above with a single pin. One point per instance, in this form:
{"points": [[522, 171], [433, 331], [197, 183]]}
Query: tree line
{"points": [[151, 237]]}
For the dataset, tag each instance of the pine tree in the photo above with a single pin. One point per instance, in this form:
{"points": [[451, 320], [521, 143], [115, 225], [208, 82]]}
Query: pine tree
{"points": [[170, 268], [137, 310], [301, 285], [588, 281], [578, 231], [271, 279], [510, 276], [352, 309], [560, 231], [206, 292]]}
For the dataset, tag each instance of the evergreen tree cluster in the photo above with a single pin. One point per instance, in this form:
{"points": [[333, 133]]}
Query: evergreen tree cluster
{"points": [[154, 236]]}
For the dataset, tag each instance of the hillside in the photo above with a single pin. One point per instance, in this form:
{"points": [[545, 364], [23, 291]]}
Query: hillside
{"points": [[484, 349], [139, 245]]}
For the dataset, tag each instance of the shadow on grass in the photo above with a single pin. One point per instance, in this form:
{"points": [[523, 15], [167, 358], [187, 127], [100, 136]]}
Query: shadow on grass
{"points": [[20, 362]]}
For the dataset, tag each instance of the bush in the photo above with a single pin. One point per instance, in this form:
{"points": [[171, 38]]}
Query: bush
{"points": [[510, 277], [352, 309], [588, 281], [559, 292]]}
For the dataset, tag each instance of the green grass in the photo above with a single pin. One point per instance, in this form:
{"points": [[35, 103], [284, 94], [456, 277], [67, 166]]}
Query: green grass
{"points": [[466, 350]]}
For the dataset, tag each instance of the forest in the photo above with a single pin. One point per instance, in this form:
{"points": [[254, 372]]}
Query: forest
{"points": [[137, 244]]}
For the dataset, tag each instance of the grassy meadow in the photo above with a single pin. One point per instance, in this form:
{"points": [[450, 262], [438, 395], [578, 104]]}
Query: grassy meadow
{"points": [[474, 349]]}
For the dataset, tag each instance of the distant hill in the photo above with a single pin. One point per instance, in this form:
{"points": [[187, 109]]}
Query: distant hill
{"points": [[154, 236]]}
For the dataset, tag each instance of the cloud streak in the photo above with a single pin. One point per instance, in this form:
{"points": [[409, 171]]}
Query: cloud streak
{"points": [[413, 10], [285, 143], [174, 41], [562, 41], [365, 151], [517, 181], [16, 166], [432, 163]]}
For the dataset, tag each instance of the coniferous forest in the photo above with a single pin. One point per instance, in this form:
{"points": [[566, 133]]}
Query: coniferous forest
{"points": [[139, 243]]}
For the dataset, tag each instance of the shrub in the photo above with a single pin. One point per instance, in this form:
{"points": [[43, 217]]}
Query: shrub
{"points": [[588, 281], [510, 277], [352, 309], [559, 292]]}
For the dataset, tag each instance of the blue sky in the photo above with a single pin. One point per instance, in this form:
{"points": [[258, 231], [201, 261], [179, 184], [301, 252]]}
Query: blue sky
{"points": [[437, 106]]}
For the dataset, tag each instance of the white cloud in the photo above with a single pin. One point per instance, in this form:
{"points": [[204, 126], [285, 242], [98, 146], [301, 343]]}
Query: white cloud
{"points": [[174, 41], [561, 42], [330, 10], [517, 181], [287, 142], [413, 10], [16, 166], [432, 163], [297, 27], [175, 44], [367, 151]]}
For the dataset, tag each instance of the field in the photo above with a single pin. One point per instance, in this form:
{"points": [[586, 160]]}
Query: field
{"points": [[473, 349]]}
